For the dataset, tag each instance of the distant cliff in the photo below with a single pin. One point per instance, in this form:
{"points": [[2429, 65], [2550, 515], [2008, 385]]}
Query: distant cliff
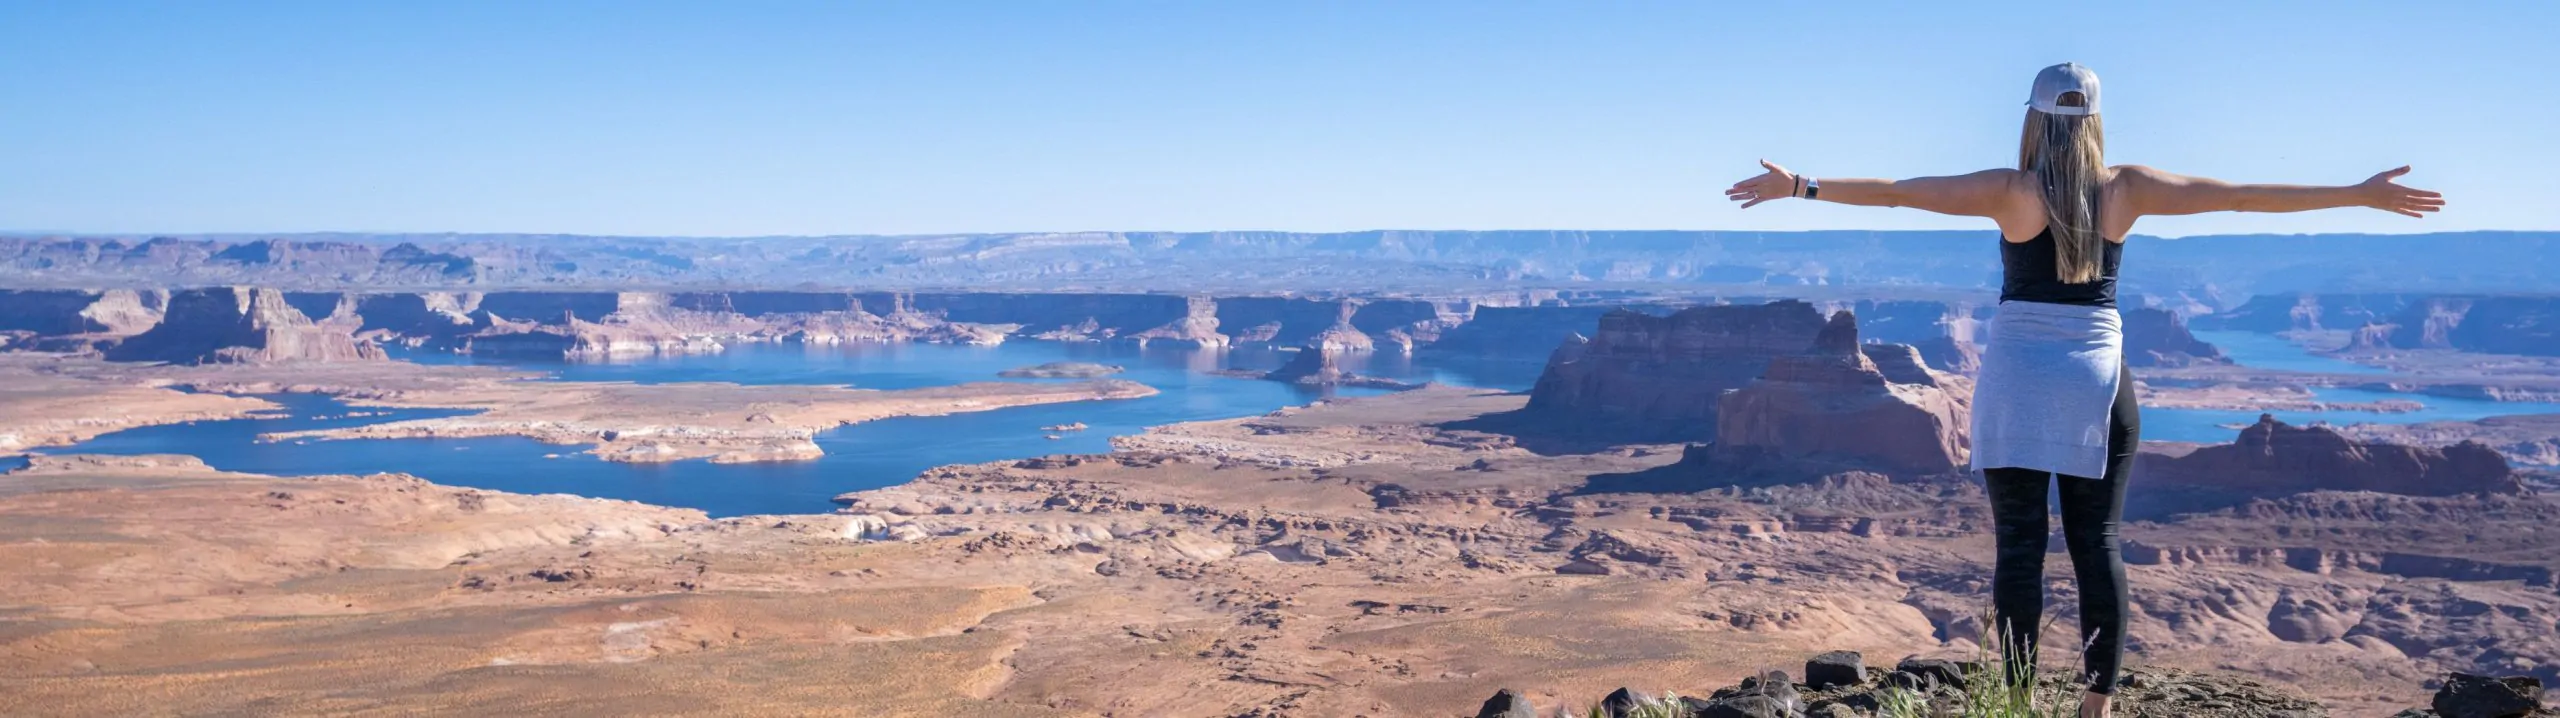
{"points": [[241, 325], [1864, 406], [2275, 458], [2301, 311], [2505, 324], [1665, 376], [1391, 261], [2159, 337]]}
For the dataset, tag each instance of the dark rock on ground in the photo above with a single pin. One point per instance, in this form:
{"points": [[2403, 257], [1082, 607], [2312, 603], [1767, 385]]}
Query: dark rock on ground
{"points": [[2470, 696], [1507, 704], [1834, 669], [1938, 671]]}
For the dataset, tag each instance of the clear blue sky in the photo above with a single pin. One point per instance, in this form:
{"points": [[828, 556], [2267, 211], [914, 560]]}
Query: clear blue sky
{"points": [[764, 117]]}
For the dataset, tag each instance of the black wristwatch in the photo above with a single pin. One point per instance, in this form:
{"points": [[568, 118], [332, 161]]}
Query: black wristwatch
{"points": [[1812, 188]]}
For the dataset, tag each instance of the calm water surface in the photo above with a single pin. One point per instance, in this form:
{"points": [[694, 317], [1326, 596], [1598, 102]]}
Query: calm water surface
{"points": [[2272, 352], [862, 456], [889, 452]]}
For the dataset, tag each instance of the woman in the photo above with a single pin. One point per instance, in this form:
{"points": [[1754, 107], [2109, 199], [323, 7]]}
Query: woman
{"points": [[2054, 399]]}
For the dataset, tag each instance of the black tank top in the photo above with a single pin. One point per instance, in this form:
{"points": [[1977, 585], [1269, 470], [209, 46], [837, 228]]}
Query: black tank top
{"points": [[2027, 274]]}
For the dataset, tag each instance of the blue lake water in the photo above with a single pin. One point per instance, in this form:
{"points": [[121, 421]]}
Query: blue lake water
{"points": [[2268, 351], [889, 452], [861, 456]]}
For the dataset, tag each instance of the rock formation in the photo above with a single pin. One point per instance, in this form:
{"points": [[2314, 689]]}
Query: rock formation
{"points": [[1527, 332], [2272, 458], [2159, 338], [1312, 366], [1664, 377], [1836, 685], [64, 312], [1872, 405], [2512, 324], [2303, 311], [241, 325]]}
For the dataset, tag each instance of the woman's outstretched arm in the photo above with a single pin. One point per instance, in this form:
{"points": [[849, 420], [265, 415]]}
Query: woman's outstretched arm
{"points": [[1987, 193], [2157, 192]]}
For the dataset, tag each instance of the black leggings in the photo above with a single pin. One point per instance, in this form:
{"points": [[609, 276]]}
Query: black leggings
{"points": [[2091, 513]]}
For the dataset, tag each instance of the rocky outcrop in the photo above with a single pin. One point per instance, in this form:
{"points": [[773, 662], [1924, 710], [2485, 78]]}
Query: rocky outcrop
{"points": [[2528, 325], [420, 318], [55, 313], [2427, 323], [580, 339], [1871, 406], [554, 307], [1945, 332], [1527, 332], [2301, 311], [1838, 685], [1311, 366], [2272, 458], [241, 325], [1665, 377], [1405, 324], [2159, 338], [1314, 367]]}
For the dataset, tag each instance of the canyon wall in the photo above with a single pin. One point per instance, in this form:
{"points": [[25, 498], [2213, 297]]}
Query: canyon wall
{"points": [[241, 325], [2303, 311], [1865, 406], [1251, 262], [2272, 458], [2503, 324], [2159, 338], [1664, 376], [74, 311]]}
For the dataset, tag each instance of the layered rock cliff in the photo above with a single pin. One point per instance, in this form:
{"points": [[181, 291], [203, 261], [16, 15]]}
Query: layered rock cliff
{"points": [[74, 311], [2273, 458], [1664, 377], [1863, 405], [2159, 338], [2508, 324], [2303, 311], [241, 325]]}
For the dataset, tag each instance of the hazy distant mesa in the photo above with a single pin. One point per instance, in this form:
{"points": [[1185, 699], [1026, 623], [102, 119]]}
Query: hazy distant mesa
{"points": [[1390, 262]]}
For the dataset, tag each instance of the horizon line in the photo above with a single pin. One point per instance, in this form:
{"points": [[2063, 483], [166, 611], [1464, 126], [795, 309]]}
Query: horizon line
{"points": [[79, 234]]}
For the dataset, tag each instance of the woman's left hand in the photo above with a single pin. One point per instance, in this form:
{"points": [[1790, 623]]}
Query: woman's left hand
{"points": [[1773, 184]]}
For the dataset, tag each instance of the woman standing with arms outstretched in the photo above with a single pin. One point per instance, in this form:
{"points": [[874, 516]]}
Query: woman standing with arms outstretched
{"points": [[2054, 402]]}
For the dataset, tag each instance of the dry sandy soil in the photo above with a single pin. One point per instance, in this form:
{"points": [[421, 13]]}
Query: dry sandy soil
{"points": [[1366, 557]]}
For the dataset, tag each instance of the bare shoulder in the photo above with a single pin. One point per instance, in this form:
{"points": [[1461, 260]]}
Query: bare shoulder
{"points": [[2139, 175]]}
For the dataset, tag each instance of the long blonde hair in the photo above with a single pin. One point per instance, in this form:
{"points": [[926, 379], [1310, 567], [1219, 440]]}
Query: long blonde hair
{"points": [[2067, 156]]}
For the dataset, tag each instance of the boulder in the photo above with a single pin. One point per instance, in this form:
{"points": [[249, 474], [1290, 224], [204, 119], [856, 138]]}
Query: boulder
{"points": [[1835, 669], [1746, 706], [2471, 696], [1507, 704], [1621, 702], [1938, 671]]}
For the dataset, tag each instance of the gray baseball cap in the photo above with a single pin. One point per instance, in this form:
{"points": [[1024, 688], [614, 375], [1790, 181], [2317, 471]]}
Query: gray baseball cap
{"points": [[2063, 78]]}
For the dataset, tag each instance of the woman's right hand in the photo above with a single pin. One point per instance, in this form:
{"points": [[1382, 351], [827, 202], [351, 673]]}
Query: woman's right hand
{"points": [[2381, 193], [1773, 184]]}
